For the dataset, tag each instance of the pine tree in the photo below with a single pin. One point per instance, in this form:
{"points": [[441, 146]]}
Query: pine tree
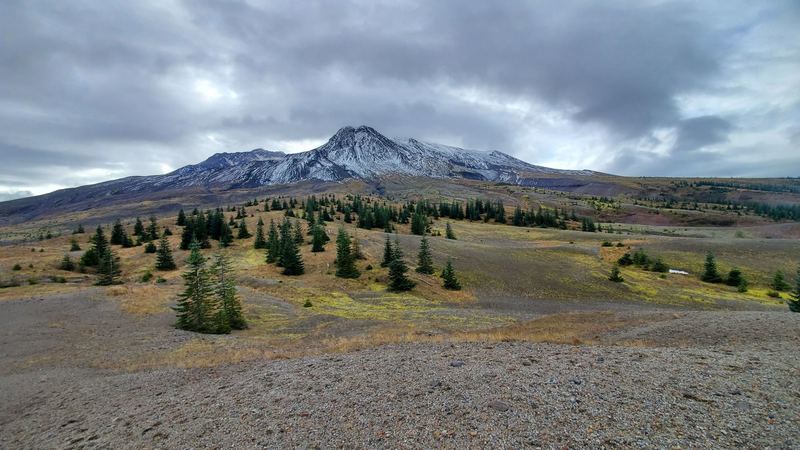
{"points": [[298, 233], [615, 275], [73, 246], [779, 282], [181, 218], [226, 235], [317, 238], [345, 260], [397, 271], [152, 229], [424, 258], [187, 235], [150, 248], [710, 275], [194, 310], [138, 228], [794, 299], [66, 263], [388, 253], [273, 244], [449, 277], [243, 233], [289, 256], [229, 309], [419, 224], [448, 232], [108, 269], [260, 241], [118, 236], [99, 246], [734, 277], [292, 261], [164, 260]]}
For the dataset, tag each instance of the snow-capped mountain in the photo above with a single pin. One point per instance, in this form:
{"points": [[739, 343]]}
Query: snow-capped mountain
{"points": [[360, 153], [352, 153]]}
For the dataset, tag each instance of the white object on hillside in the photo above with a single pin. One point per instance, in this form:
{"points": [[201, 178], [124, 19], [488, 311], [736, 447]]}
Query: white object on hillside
{"points": [[679, 272]]}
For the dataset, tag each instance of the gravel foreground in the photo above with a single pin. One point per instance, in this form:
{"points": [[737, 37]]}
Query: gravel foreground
{"points": [[504, 395]]}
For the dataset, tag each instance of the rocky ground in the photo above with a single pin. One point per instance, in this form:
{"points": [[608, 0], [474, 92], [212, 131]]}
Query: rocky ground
{"points": [[508, 395], [703, 379]]}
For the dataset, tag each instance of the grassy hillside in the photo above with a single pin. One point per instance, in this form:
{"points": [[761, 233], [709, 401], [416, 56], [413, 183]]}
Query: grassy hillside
{"points": [[511, 276]]}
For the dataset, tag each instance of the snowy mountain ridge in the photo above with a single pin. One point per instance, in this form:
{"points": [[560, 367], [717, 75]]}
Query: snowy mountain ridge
{"points": [[353, 153]]}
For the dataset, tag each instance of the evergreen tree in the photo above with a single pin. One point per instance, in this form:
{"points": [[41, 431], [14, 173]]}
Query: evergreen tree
{"points": [[226, 235], [150, 248], [625, 260], [290, 255], [743, 285], [317, 238], [261, 241], [449, 277], [164, 260], [345, 260], [138, 228], [419, 224], [181, 218], [73, 246], [187, 235], [66, 263], [424, 258], [108, 269], [388, 253], [659, 266], [397, 272], [152, 230], [79, 230], [734, 277], [710, 274], [243, 233], [273, 244], [194, 305], [640, 258], [615, 275], [99, 246], [229, 309], [298, 233], [779, 282], [118, 236], [448, 232], [794, 300]]}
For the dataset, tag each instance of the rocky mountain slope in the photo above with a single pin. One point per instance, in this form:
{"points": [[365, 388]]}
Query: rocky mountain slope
{"points": [[351, 154], [360, 153]]}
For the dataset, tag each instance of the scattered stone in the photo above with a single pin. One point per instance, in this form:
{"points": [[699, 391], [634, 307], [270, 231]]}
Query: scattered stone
{"points": [[497, 405]]}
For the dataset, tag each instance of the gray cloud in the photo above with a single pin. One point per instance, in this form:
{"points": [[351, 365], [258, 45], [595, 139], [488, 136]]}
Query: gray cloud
{"points": [[120, 88]]}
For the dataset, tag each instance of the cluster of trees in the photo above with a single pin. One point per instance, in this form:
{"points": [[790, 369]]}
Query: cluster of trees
{"points": [[208, 303], [283, 246], [711, 275], [201, 227], [105, 260], [398, 281], [641, 259], [795, 187], [101, 256]]}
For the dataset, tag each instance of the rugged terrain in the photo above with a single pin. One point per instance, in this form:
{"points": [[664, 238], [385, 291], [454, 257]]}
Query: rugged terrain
{"points": [[658, 382], [539, 349]]}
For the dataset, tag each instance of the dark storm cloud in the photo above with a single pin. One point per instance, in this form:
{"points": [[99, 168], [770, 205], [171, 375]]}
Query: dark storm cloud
{"points": [[134, 87], [699, 132]]}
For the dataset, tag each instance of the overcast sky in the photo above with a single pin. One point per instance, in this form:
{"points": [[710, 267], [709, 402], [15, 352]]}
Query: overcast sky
{"points": [[91, 91]]}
